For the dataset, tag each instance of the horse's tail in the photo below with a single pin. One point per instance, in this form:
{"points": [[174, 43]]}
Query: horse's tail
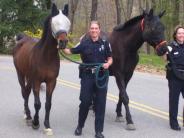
{"points": [[19, 36], [19, 39]]}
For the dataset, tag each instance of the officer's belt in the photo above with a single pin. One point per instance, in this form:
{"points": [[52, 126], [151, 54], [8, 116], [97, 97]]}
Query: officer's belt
{"points": [[90, 70], [178, 72], [177, 67], [180, 67], [181, 70]]}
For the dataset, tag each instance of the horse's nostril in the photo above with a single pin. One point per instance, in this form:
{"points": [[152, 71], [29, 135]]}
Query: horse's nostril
{"points": [[62, 44]]}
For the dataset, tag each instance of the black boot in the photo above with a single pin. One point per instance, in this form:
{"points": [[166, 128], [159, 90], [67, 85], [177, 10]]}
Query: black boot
{"points": [[99, 135], [174, 125], [177, 128], [78, 131]]}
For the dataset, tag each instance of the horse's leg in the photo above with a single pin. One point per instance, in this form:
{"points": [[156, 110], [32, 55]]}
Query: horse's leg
{"points": [[37, 104], [26, 106], [119, 117], [183, 116], [25, 90], [49, 90], [130, 126], [123, 97]]}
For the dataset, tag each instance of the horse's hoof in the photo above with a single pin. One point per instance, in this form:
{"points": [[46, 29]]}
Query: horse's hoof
{"points": [[120, 119], [48, 131], [29, 122], [35, 126], [130, 127]]}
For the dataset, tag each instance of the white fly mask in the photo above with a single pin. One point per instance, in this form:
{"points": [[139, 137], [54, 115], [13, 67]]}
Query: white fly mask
{"points": [[60, 24]]}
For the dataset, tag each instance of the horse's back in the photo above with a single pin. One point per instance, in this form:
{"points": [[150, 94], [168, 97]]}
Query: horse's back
{"points": [[22, 53], [124, 60]]}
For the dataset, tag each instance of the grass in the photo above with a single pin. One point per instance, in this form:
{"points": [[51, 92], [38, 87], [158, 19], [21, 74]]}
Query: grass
{"points": [[73, 57], [152, 61]]}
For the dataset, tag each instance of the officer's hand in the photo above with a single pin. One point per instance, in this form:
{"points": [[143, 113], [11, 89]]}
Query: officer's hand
{"points": [[161, 50], [67, 51], [106, 65]]}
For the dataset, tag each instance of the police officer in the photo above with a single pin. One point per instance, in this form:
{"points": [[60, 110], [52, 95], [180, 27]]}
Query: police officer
{"points": [[93, 49], [175, 73]]}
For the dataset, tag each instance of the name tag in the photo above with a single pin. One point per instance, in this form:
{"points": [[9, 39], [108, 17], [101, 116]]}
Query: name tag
{"points": [[176, 53]]}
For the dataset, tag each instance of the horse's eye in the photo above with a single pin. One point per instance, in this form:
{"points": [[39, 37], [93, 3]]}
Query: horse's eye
{"points": [[160, 27], [152, 28]]}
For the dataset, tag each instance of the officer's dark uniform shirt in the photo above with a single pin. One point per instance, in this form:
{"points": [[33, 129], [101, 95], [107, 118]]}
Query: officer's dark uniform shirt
{"points": [[177, 54], [93, 52], [175, 57]]}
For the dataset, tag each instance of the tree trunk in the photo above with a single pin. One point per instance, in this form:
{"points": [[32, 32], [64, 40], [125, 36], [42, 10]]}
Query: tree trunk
{"points": [[182, 13], [148, 49], [129, 8], [94, 10], [176, 11], [1, 44], [153, 4], [72, 9], [48, 4], [85, 4], [118, 11]]}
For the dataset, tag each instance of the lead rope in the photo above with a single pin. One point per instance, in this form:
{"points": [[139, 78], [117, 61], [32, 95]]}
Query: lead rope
{"points": [[98, 78]]}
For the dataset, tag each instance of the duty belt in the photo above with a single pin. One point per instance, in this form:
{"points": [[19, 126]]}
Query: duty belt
{"points": [[90, 70]]}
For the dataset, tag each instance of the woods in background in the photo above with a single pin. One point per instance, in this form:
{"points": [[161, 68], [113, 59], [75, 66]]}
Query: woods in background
{"points": [[14, 17]]}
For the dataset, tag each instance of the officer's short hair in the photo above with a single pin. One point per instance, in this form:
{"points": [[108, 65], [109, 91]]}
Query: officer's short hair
{"points": [[176, 30], [95, 22]]}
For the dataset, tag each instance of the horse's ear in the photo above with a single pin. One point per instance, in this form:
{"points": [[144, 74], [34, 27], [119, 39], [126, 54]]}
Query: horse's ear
{"points": [[54, 10], [65, 10], [151, 12], [161, 13], [144, 12]]}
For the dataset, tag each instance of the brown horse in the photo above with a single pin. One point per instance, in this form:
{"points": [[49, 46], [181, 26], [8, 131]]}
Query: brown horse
{"points": [[38, 61], [125, 41]]}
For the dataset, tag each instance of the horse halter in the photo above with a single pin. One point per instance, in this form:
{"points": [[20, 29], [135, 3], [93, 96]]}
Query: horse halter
{"points": [[158, 45], [142, 25]]}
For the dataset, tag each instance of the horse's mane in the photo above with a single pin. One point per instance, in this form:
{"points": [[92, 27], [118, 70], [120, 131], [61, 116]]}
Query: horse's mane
{"points": [[128, 23], [46, 28]]}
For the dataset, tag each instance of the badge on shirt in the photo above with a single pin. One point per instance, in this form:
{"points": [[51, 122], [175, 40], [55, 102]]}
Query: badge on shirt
{"points": [[110, 47], [176, 53], [101, 48]]}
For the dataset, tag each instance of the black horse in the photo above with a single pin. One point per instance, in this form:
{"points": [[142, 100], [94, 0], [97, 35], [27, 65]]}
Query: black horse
{"points": [[38, 61], [125, 41]]}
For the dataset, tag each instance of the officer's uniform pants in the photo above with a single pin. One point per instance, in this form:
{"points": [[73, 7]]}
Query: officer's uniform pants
{"points": [[175, 87], [88, 88]]}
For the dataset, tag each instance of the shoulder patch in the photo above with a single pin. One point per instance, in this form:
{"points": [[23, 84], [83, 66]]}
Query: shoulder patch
{"points": [[175, 43]]}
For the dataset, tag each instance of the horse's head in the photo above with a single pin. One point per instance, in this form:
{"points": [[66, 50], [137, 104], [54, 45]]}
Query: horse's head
{"points": [[60, 25], [153, 29]]}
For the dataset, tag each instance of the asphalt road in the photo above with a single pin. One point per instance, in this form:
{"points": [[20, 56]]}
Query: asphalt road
{"points": [[149, 107]]}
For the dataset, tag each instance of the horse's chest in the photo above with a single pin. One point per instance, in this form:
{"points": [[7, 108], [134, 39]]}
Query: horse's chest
{"points": [[51, 71], [46, 72], [127, 62]]}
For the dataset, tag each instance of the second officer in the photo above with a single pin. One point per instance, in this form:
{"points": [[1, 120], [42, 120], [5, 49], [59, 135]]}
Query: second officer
{"points": [[92, 49]]}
